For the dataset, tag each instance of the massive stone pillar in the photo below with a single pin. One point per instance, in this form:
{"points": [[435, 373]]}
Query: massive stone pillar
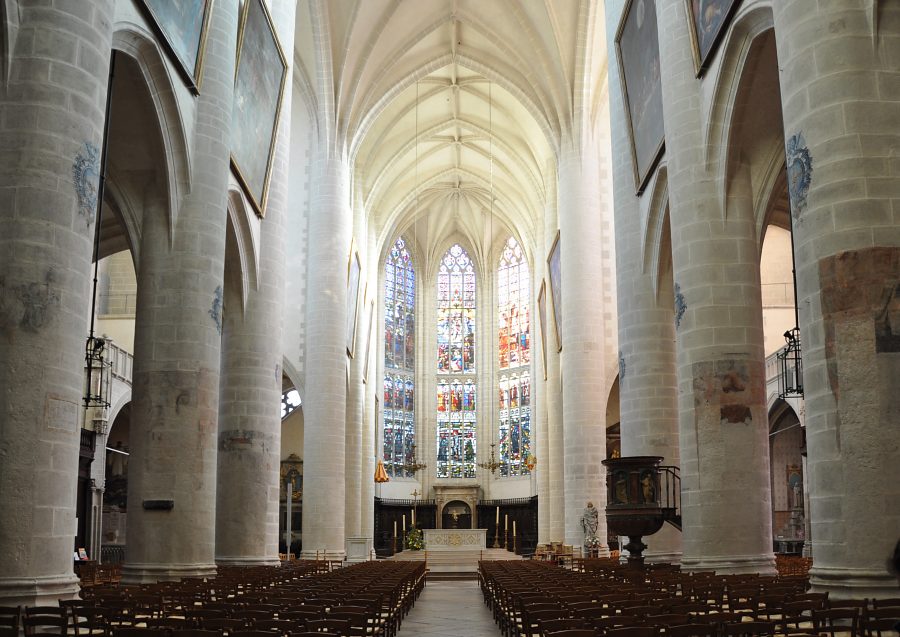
{"points": [[539, 413], [51, 129], [554, 463], [840, 73], [582, 361], [721, 371], [648, 395], [172, 469], [353, 473], [249, 446], [324, 410]]}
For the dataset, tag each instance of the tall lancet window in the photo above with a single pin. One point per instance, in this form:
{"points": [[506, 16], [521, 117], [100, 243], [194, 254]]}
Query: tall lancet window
{"points": [[399, 360], [513, 292], [456, 365]]}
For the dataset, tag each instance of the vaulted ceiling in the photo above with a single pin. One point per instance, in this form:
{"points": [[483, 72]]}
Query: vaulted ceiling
{"points": [[440, 103]]}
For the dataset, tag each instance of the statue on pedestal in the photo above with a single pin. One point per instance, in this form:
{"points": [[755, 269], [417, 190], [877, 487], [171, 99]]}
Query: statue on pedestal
{"points": [[590, 521]]}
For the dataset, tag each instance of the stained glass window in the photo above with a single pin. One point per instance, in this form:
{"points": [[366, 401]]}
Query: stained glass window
{"points": [[513, 292], [456, 420], [399, 354]]}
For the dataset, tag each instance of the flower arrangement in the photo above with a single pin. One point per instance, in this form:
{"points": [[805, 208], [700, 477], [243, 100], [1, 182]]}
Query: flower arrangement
{"points": [[592, 542], [415, 539]]}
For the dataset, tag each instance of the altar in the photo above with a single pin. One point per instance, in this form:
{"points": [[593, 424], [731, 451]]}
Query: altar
{"points": [[455, 539]]}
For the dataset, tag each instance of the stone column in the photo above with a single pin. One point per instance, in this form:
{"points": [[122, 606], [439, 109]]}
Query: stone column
{"points": [[178, 329], [249, 439], [52, 110], [324, 410], [539, 414], [840, 86], [584, 404], [723, 418], [647, 387], [353, 476], [555, 465]]}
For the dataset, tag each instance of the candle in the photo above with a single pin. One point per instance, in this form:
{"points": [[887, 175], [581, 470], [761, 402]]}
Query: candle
{"points": [[506, 522], [514, 528], [498, 516], [414, 516], [404, 524], [395, 529]]}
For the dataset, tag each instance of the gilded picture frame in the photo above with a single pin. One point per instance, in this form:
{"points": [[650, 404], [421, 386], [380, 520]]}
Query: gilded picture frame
{"points": [[708, 22], [182, 28], [368, 342], [554, 266], [259, 78], [542, 317], [637, 54], [354, 272]]}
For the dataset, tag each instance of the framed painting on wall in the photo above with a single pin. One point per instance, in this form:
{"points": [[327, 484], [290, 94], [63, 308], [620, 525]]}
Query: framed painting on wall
{"points": [[542, 317], [368, 342], [554, 264], [637, 52], [258, 86], [354, 270], [709, 20], [182, 28]]}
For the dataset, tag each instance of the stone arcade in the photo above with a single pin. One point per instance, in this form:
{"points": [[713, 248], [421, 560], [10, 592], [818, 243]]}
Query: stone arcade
{"points": [[440, 248]]}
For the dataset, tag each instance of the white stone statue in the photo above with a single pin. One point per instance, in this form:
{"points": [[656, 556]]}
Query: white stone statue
{"points": [[590, 521]]}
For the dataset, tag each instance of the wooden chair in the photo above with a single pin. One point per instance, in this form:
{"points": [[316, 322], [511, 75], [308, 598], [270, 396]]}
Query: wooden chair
{"points": [[131, 631], [45, 625], [10, 617], [692, 630], [887, 602], [749, 629], [555, 625], [632, 631], [574, 632], [878, 626], [336, 626], [834, 621]]}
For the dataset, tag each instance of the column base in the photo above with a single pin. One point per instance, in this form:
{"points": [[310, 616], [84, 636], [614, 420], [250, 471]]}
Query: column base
{"points": [[762, 564], [852, 583], [248, 561], [359, 549], [660, 557], [133, 573], [38, 591]]}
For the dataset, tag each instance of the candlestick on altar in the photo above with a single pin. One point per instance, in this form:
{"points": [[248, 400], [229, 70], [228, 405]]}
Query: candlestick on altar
{"points": [[506, 539], [413, 518], [497, 535], [505, 522], [514, 530], [395, 529], [404, 524], [498, 516]]}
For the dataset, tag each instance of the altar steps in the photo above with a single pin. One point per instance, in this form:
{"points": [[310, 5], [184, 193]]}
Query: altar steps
{"points": [[454, 564]]}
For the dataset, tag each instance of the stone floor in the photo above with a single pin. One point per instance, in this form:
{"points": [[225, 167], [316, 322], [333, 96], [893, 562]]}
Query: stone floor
{"points": [[449, 609]]}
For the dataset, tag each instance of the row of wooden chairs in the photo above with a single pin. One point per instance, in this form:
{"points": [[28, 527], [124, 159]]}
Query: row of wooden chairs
{"points": [[365, 600], [523, 596]]}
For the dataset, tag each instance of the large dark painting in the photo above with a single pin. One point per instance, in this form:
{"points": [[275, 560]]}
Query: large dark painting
{"points": [[637, 48], [258, 86], [183, 25], [709, 19], [554, 264]]}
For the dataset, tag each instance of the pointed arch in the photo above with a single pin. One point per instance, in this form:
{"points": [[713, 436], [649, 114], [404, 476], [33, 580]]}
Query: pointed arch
{"points": [[137, 42]]}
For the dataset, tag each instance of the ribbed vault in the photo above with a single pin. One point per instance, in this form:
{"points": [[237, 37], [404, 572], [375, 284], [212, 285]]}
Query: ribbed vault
{"points": [[438, 104]]}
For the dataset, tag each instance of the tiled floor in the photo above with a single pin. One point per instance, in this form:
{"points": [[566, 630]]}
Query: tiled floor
{"points": [[449, 609]]}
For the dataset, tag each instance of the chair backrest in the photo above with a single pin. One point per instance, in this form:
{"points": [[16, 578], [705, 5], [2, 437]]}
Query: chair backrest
{"points": [[692, 630], [45, 625], [632, 631], [750, 628], [573, 632], [885, 602]]}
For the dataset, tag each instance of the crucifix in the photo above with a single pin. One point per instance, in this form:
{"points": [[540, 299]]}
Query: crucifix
{"points": [[415, 494]]}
